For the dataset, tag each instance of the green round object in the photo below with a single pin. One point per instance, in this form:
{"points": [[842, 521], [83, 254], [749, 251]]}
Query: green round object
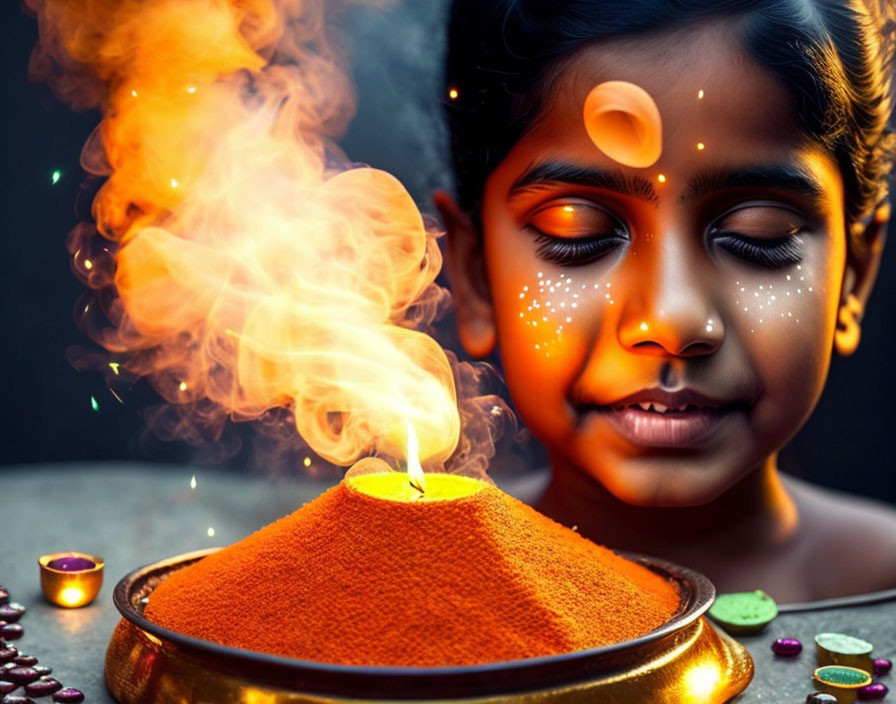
{"points": [[843, 644], [841, 676], [744, 613]]}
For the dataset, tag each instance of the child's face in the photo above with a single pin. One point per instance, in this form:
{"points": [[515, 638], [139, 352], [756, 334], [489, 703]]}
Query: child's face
{"points": [[689, 295]]}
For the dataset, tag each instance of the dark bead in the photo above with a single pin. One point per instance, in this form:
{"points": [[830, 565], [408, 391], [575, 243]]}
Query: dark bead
{"points": [[43, 687], [69, 695], [22, 675], [4, 595], [787, 647], [43, 669], [821, 698], [882, 666], [16, 699], [8, 653], [26, 660], [7, 687], [11, 612], [11, 631], [877, 690]]}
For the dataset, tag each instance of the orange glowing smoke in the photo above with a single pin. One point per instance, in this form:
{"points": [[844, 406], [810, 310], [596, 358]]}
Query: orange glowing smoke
{"points": [[254, 267]]}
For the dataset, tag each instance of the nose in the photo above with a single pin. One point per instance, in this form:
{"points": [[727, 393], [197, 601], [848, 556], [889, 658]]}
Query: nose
{"points": [[669, 309]]}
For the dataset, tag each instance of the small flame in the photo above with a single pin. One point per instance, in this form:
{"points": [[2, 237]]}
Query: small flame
{"points": [[416, 477]]}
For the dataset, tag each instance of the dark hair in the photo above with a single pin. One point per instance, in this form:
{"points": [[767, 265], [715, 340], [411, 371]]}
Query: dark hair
{"points": [[834, 56]]}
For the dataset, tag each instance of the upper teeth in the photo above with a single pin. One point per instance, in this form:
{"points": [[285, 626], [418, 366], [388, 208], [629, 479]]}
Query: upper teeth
{"points": [[659, 407]]}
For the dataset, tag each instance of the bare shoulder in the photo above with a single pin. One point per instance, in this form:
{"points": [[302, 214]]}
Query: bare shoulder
{"points": [[850, 540]]}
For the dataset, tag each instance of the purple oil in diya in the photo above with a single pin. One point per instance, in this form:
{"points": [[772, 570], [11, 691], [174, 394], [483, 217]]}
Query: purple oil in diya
{"points": [[71, 563]]}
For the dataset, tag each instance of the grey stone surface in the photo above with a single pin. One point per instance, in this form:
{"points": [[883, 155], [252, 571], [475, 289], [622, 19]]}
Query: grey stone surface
{"points": [[135, 514]]}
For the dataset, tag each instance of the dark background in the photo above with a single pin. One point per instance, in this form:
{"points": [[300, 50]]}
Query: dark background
{"points": [[47, 415]]}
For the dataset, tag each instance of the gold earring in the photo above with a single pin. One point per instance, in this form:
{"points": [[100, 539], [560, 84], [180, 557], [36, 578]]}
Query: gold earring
{"points": [[848, 332]]}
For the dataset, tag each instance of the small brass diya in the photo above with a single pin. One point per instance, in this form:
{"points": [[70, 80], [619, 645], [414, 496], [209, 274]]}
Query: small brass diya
{"points": [[70, 579], [841, 681], [685, 661]]}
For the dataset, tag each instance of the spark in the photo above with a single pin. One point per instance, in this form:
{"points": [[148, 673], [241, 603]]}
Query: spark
{"points": [[93, 403], [88, 264], [210, 532], [307, 461], [117, 397], [174, 183], [453, 94], [134, 93], [701, 146], [661, 178], [643, 326], [700, 94], [114, 367], [183, 386], [191, 89], [193, 482], [57, 174]]}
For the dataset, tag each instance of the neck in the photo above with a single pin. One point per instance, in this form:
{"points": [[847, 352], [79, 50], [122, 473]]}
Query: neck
{"points": [[757, 512]]}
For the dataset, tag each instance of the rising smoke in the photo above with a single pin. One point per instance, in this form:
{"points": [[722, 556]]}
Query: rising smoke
{"points": [[244, 265]]}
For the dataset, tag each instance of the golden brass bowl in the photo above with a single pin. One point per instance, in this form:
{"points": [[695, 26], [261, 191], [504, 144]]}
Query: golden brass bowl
{"points": [[70, 589], [685, 661]]}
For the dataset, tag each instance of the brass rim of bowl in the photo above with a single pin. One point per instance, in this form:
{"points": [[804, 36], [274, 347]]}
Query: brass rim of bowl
{"points": [[468, 680], [44, 561]]}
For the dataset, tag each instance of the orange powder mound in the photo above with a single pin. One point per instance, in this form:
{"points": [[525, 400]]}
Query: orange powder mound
{"points": [[357, 580]]}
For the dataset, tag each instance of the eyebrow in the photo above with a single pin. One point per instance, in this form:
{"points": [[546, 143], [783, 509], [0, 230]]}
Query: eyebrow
{"points": [[786, 177], [552, 173]]}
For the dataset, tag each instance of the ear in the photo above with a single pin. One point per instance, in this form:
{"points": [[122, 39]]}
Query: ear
{"points": [[465, 263], [866, 246]]}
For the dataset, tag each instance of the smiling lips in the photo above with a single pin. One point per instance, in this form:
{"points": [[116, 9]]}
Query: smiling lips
{"points": [[658, 418]]}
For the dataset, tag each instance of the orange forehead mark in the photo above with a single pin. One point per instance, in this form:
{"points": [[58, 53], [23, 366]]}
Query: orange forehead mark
{"points": [[624, 122]]}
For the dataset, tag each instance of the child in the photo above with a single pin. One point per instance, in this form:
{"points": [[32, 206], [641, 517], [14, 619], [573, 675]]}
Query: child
{"points": [[664, 330]]}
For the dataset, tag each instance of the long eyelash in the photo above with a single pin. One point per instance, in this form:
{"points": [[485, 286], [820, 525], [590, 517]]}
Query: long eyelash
{"points": [[573, 252], [775, 253]]}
